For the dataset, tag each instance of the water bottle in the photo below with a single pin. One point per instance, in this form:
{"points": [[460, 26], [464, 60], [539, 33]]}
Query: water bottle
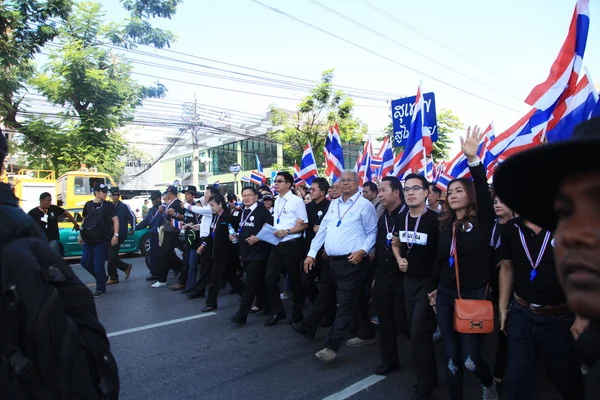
{"points": [[232, 233]]}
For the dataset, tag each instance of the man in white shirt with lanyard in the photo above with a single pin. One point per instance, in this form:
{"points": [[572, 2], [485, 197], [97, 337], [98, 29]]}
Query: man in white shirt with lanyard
{"points": [[287, 255], [348, 231]]}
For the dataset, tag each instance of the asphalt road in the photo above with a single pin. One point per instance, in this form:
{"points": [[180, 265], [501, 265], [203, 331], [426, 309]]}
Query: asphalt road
{"points": [[206, 356]]}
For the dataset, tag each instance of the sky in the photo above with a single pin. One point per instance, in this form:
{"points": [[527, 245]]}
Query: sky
{"points": [[496, 51]]}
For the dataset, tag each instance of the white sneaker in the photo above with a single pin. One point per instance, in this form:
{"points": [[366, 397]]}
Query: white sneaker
{"points": [[326, 355], [159, 284], [490, 393], [283, 296], [357, 342]]}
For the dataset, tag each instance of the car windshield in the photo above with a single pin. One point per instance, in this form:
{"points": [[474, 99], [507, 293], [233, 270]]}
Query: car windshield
{"points": [[75, 212]]}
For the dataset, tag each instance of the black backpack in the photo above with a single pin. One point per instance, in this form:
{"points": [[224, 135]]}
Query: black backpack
{"points": [[52, 345], [92, 229]]}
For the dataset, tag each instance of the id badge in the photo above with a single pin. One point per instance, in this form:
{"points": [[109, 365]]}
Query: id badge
{"points": [[44, 219]]}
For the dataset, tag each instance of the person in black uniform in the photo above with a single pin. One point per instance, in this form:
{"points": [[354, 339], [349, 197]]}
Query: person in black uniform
{"points": [[189, 220], [153, 221], [254, 252], [221, 251], [315, 210], [539, 320], [172, 209], [415, 250], [46, 215]]}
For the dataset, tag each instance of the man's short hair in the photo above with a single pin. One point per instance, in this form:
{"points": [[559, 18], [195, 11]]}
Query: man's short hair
{"points": [[424, 181], [213, 189], [433, 187], [264, 187], [252, 188], [287, 177], [372, 186], [322, 183], [44, 196]]}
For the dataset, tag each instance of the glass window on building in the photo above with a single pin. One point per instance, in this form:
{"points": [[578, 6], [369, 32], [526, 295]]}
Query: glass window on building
{"points": [[266, 150], [222, 157], [178, 167]]}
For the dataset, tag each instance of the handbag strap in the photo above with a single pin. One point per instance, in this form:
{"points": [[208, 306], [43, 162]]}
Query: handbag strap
{"points": [[455, 255]]}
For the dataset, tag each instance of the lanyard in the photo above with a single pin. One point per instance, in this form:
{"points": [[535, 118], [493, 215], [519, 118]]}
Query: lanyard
{"points": [[492, 238], [281, 210], [214, 226], [411, 241], [388, 235], [452, 246], [533, 272], [45, 212], [341, 216], [244, 221]]}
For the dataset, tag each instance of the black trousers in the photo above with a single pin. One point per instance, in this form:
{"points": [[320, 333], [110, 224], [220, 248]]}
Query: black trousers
{"points": [[254, 271], [284, 256], [114, 262], [388, 296], [166, 255], [501, 360], [205, 272], [185, 265], [222, 271], [421, 325], [325, 302]]}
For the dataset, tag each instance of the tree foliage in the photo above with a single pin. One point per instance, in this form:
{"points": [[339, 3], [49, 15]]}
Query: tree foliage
{"points": [[322, 108], [94, 85], [447, 123]]}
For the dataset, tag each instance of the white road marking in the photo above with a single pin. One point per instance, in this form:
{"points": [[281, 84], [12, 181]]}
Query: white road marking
{"points": [[355, 388], [159, 324]]}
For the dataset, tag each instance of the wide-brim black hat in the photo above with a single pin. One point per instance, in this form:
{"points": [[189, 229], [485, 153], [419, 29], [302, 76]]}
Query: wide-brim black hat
{"points": [[529, 182]]}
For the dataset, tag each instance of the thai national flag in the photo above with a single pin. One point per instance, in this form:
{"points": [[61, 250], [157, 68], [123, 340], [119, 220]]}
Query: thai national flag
{"points": [[387, 157], [258, 164], [245, 179], [365, 172], [429, 167], [176, 223], [297, 179], [308, 169], [503, 140], [419, 138], [458, 167], [443, 181], [577, 108], [335, 155], [566, 67], [258, 178], [326, 150]]}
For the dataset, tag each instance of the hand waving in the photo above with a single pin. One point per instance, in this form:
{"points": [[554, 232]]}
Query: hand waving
{"points": [[470, 144]]}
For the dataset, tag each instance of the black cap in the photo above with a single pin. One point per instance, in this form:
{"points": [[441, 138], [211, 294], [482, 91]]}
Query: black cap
{"points": [[101, 187], [231, 197], [155, 194], [114, 189], [529, 182], [171, 189], [190, 189]]}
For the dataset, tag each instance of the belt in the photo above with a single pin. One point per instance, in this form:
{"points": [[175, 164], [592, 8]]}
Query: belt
{"points": [[541, 309], [339, 258], [288, 242]]}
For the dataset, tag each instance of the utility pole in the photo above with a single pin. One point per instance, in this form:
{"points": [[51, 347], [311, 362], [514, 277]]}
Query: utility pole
{"points": [[192, 118]]}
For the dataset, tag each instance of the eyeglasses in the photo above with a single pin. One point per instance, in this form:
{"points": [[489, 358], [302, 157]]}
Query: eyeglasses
{"points": [[116, 194], [412, 189], [279, 181], [347, 180]]}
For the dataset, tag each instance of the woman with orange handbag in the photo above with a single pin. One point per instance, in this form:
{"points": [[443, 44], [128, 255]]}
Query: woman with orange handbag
{"points": [[464, 262]]}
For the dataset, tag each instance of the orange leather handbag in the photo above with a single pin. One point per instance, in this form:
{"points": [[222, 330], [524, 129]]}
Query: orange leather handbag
{"points": [[471, 316]]}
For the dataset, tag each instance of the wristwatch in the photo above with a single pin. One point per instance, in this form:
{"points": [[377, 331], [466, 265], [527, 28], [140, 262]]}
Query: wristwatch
{"points": [[289, 232], [116, 234]]}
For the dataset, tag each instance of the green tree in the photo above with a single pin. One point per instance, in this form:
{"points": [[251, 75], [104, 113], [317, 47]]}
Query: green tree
{"points": [[93, 84], [322, 108], [447, 123]]}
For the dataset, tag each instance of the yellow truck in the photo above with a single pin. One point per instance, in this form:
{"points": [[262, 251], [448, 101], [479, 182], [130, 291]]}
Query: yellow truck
{"points": [[28, 184]]}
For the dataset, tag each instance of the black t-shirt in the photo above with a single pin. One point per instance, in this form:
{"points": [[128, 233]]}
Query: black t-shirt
{"points": [[315, 213], [250, 224], [108, 211], [422, 254], [544, 288], [496, 242], [384, 256], [48, 221]]}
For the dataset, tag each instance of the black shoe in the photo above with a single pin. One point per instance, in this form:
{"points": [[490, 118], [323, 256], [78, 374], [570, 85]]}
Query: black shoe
{"points": [[275, 319], [326, 323], [238, 320], [295, 319], [152, 278], [209, 308], [301, 329], [386, 368], [186, 291], [99, 293], [195, 294]]}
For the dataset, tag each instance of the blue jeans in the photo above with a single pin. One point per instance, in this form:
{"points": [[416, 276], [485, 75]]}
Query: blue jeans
{"points": [[193, 267], [531, 335], [462, 349], [92, 259]]}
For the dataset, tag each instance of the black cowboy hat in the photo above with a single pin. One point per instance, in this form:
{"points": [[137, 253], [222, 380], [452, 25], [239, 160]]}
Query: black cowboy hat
{"points": [[529, 182]]}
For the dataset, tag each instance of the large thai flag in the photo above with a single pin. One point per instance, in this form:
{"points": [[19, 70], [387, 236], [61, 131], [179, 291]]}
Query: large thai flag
{"points": [[566, 67], [387, 158], [529, 136], [577, 108], [443, 181], [326, 150], [258, 164], [258, 178], [297, 179], [458, 167], [503, 140], [419, 138], [365, 172], [335, 155], [596, 112], [308, 169]]}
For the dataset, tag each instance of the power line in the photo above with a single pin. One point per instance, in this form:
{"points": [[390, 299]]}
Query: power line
{"points": [[357, 23], [434, 40], [381, 55]]}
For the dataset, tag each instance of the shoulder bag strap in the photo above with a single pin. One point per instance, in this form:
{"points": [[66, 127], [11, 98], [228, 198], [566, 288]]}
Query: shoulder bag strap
{"points": [[455, 255]]}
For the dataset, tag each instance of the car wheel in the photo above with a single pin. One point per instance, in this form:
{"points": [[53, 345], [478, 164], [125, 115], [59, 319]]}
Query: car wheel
{"points": [[145, 244]]}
